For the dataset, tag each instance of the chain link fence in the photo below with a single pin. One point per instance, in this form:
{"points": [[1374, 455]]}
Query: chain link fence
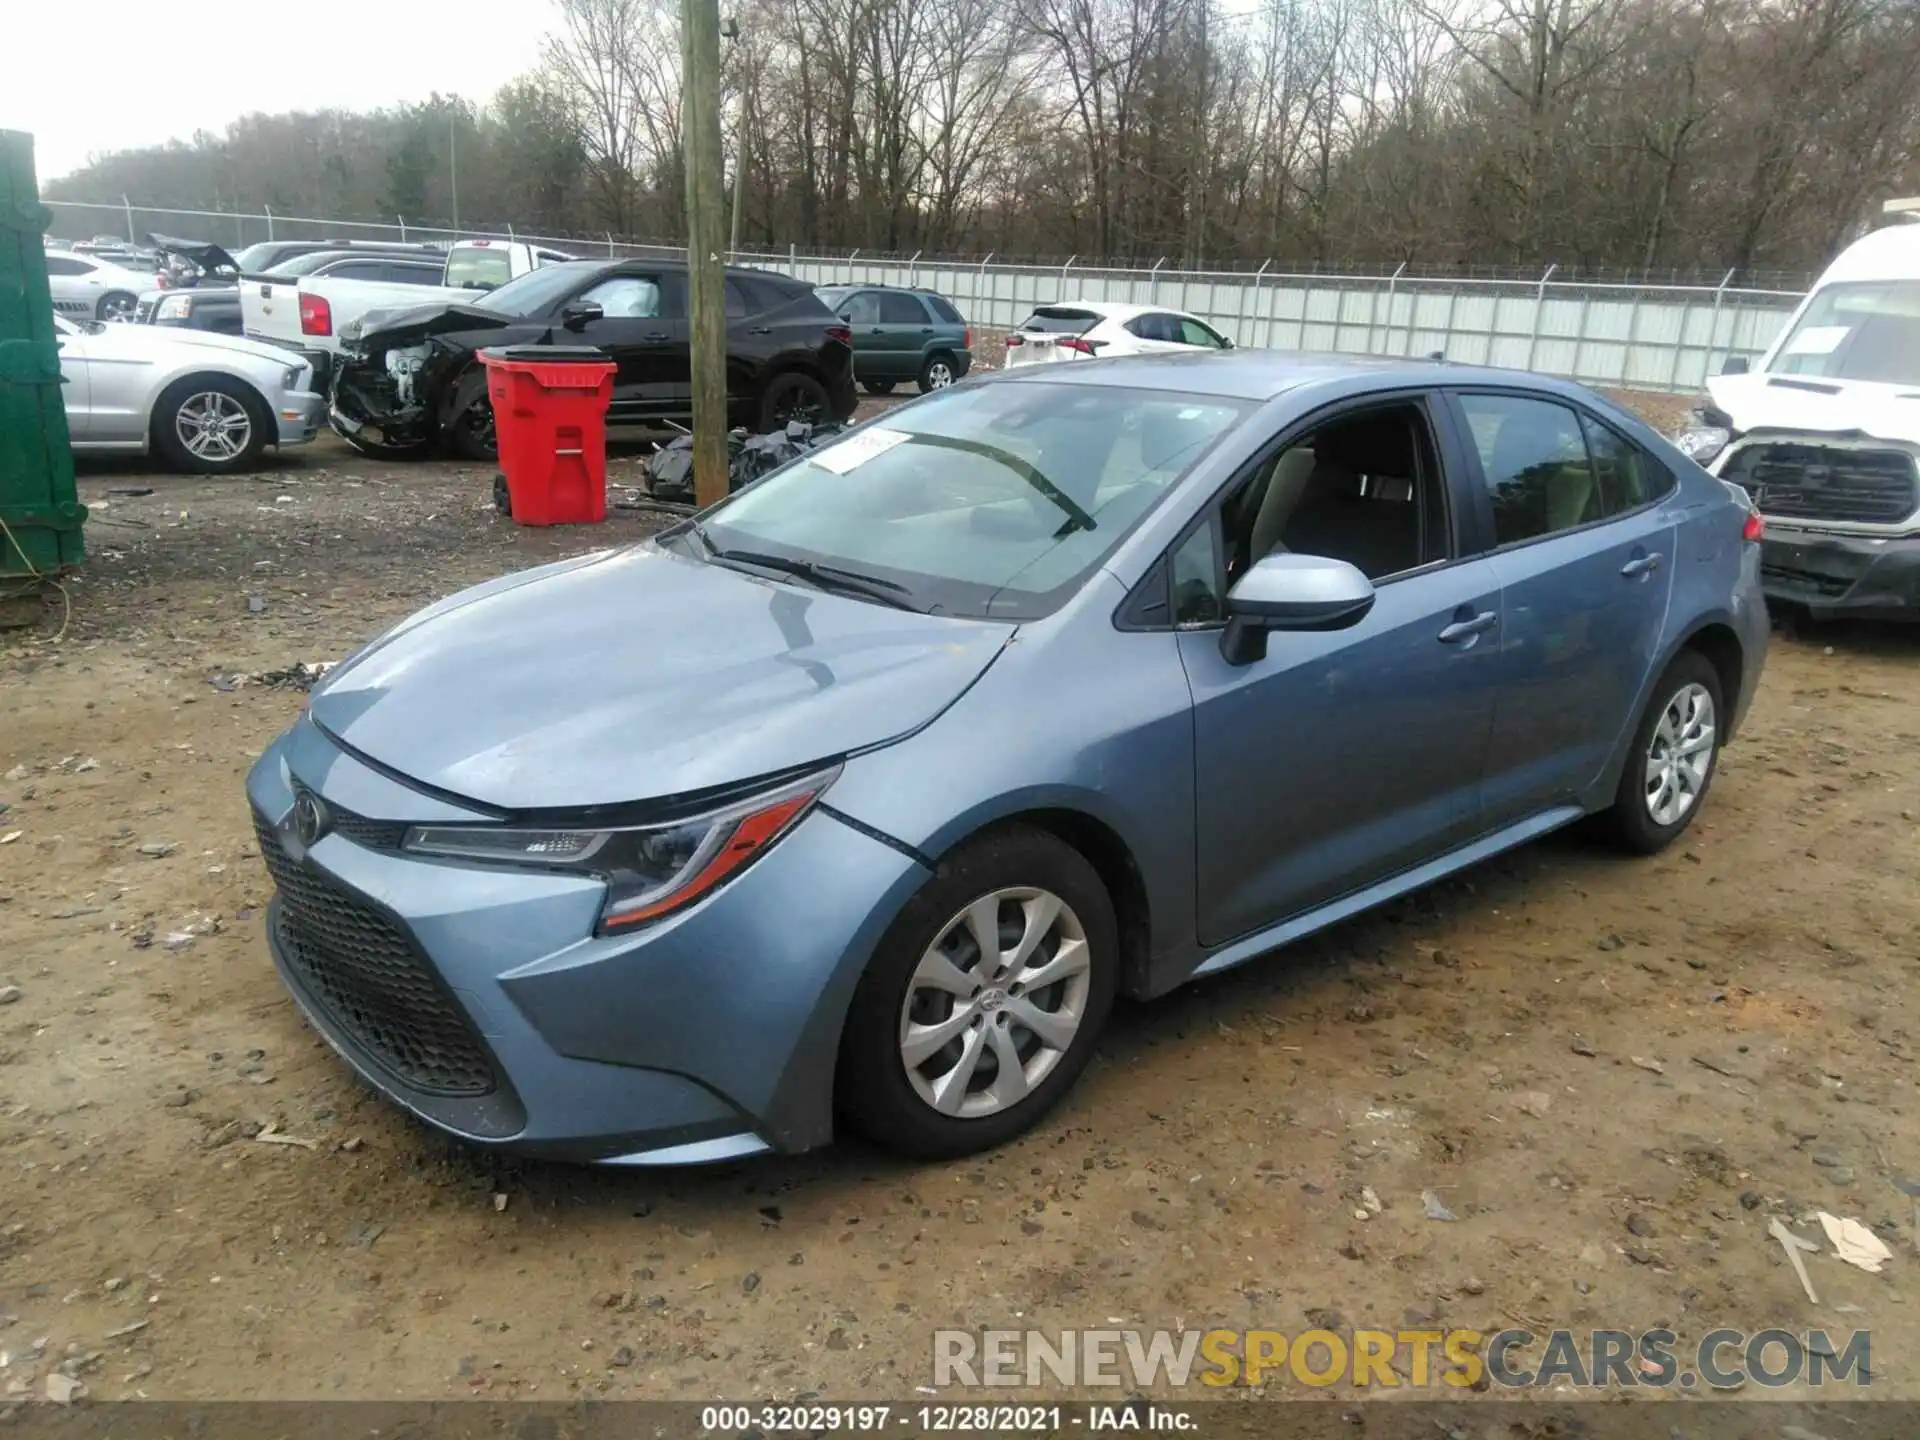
{"points": [[1655, 337]]}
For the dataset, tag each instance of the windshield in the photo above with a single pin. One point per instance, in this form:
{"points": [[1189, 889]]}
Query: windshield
{"points": [[1867, 330], [833, 296], [537, 289], [992, 502], [306, 264]]}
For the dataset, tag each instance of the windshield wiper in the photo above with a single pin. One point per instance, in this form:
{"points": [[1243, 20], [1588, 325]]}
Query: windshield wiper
{"points": [[821, 577]]}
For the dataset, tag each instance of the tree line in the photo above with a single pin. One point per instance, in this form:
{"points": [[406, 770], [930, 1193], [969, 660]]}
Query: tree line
{"points": [[1607, 136]]}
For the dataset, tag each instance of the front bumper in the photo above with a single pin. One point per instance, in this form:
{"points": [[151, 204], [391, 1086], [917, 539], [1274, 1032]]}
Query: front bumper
{"points": [[298, 414], [480, 1000], [1865, 577], [320, 360]]}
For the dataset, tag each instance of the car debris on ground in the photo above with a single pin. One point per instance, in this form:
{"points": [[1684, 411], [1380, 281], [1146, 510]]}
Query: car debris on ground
{"points": [[669, 474]]}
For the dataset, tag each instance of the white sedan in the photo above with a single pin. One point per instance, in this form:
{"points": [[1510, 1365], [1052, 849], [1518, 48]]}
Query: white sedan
{"points": [[204, 402], [86, 287], [1083, 329]]}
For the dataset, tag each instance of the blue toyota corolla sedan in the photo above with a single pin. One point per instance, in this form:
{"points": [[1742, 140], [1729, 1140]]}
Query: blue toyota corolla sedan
{"points": [[855, 801]]}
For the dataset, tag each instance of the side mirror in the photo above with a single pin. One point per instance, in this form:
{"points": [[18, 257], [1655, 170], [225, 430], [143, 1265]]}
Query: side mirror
{"points": [[1291, 592], [1736, 365], [1226, 342], [848, 317], [580, 315]]}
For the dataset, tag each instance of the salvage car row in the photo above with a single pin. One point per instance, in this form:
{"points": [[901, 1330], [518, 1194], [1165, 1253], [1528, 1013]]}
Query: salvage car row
{"points": [[1824, 431]]}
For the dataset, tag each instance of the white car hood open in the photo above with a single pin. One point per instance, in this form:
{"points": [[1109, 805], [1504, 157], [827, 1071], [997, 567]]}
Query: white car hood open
{"points": [[1807, 405]]}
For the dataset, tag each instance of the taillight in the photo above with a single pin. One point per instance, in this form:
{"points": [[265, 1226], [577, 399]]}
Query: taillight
{"points": [[160, 281], [1082, 347], [1013, 341], [966, 338], [316, 315], [842, 333], [1755, 527]]}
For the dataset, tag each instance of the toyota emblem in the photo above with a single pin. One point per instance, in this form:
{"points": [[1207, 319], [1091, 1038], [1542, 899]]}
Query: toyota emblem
{"points": [[309, 817]]}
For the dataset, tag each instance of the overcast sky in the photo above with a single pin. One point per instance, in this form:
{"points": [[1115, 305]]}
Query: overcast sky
{"points": [[115, 74]]}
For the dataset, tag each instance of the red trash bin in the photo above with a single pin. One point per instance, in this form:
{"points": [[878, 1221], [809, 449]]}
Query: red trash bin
{"points": [[550, 421]]}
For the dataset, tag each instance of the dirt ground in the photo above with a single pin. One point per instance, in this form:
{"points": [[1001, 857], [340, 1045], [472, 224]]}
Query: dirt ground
{"points": [[1613, 1073]]}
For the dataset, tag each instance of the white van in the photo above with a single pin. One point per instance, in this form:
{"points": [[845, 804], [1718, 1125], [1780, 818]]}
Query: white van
{"points": [[1824, 434]]}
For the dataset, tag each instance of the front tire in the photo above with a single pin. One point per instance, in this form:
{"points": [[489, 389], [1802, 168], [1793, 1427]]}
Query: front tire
{"points": [[211, 425], [470, 422], [116, 305], [1675, 752], [983, 1001]]}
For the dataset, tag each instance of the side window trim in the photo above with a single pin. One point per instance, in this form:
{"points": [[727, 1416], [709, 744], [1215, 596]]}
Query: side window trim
{"points": [[1433, 404]]}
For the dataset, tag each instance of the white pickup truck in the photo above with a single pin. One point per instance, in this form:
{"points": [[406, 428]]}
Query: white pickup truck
{"points": [[308, 314]]}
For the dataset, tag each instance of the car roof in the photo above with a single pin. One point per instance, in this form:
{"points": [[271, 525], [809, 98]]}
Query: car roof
{"points": [[1265, 374], [1891, 253], [1109, 309]]}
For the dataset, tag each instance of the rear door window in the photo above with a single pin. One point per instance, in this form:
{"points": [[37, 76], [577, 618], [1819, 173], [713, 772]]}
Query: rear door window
{"points": [[1534, 458], [1629, 477]]}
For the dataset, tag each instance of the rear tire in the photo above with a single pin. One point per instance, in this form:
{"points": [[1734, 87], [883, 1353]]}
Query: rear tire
{"points": [[957, 1099], [1666, 778], [878, 387], [792, 395], [937, 373], [211, 425]]}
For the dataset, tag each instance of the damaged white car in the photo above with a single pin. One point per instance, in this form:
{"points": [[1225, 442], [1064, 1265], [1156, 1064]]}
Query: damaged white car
{"points": [[1824, 434]]}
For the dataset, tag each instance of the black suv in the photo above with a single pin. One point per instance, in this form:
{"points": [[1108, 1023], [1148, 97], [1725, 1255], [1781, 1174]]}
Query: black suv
{"points": [[410, 377], [901, 335]]}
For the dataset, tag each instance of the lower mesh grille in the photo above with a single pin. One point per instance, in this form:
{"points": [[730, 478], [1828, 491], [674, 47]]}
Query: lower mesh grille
{"points": [[372, 981]]}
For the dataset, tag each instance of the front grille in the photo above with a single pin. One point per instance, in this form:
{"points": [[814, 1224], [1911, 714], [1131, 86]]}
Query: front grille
{"points": [[1820, 482], [371, 980], [373, 834], [1827, 587]]}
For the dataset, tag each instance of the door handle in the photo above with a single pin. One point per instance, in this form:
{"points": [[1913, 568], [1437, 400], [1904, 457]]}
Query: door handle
{"points": [[761, 330], [1466, 629], [658, 335], [878, 330], [1640, 565], [926, 329]]}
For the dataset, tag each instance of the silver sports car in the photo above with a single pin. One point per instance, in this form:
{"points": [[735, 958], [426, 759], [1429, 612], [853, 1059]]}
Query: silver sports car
{"points": [[205, 402]]}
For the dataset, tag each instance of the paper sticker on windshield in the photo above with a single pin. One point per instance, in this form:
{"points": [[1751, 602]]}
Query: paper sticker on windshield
{"points": [[857, 449], [1818, 340]]}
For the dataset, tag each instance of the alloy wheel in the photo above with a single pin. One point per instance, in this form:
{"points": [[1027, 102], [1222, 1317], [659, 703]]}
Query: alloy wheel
{"points": [[213, 426], [939, 375], [995, 1002], [1680, 755]]}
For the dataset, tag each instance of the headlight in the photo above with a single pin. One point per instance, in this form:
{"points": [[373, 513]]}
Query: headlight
{"points": [[649, 870], [295, 378], [1701, 442], [174, 307]]}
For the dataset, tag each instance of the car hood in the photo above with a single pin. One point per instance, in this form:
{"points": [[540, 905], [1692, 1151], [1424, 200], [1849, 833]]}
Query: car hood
{"points": [[1807, 405], [640, 674], [387, 328], [201, 252]]}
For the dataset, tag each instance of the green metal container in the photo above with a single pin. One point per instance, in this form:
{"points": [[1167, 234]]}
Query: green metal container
{"points": [[40, 511]]}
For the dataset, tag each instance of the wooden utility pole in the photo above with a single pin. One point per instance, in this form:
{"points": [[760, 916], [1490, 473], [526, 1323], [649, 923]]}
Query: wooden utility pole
{"points": [[706, 236]]}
